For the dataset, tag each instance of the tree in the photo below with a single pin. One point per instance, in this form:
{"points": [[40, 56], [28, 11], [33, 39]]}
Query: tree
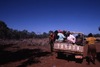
{"points": [[3, 30], [8, 33], [45, 34], [32, 34], [99, 28]]}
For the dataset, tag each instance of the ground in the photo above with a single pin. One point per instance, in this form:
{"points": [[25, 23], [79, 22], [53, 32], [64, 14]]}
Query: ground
{"points": [[28, 55]]}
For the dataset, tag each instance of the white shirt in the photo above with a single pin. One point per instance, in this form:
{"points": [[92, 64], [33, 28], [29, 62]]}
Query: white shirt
{"points": [[71, 38]]}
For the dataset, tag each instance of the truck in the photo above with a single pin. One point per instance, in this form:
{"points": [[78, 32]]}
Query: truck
{"points": [[68, 49]]}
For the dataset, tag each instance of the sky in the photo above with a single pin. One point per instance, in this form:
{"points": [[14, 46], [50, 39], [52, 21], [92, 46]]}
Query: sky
{"points": [[45, 15]]}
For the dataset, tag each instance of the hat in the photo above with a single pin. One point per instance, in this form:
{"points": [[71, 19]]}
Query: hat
{"points": [[59, 31]]}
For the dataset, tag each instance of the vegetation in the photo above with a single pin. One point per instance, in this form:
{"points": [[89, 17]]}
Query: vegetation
{"points": [[99, 28], [8, 33]]}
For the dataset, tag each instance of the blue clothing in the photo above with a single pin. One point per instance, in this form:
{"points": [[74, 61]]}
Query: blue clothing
{"points": [[61, 37]]}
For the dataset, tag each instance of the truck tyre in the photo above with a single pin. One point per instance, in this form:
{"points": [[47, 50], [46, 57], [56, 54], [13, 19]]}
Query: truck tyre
{"points": [[79, 60], [59, 54]]}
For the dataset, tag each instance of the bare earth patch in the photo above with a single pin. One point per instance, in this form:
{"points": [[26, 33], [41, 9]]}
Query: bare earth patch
{"points": [[24, 54]]}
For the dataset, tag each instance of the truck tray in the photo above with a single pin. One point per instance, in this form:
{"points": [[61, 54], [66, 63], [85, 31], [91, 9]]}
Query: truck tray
{"points": [[70, 48]]}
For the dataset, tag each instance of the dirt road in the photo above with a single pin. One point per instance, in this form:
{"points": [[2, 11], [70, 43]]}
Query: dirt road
{"points": [[39, 56]]}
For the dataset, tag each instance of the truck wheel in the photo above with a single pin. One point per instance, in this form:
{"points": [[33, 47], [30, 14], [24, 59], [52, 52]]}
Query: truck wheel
{"points": [[59, 54], [79, 60]]}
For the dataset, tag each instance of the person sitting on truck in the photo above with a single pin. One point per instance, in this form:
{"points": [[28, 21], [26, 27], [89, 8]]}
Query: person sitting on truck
{"points": [[71, 38], [65, 34], [56, 35], [79, 39], [61, 36]]}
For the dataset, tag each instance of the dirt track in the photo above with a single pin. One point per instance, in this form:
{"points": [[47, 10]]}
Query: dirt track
{"points": [[25, 55]]}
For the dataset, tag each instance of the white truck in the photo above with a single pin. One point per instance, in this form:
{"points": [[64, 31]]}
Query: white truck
{"points": [[70, 49]]}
